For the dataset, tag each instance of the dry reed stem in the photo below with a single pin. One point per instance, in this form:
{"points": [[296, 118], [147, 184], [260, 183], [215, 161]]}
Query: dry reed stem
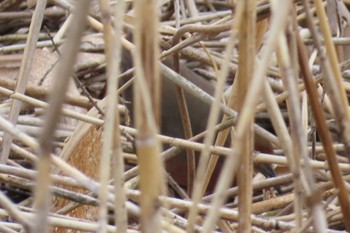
{"points": [[147, 113], [298, 137], [5, 125], [232, 102], [242, 82], [41, 93], [185, 118], [81, 187], [198, 189], [250, 101], [193, 11], [221, 138], [56, 98], [310, 187], [172, 141], [211, 30], [196, 91], [224, 213], [24, 73], [120, 212], [14, 212], [44, 105], [111, 138], [339, 99], [69, 223], [322, 128]]}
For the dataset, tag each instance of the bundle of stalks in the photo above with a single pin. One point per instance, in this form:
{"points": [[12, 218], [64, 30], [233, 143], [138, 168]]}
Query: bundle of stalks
{"points": [[174, 116]]}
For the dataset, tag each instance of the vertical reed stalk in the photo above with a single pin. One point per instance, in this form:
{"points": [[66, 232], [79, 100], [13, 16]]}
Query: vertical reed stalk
{"points": [[147, 112], [111, 138], [56, 99], [242, 82], [298, 136], [199, 183]]}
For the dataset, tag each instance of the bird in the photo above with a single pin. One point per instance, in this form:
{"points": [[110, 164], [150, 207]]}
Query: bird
{"points": [[171, 124]]}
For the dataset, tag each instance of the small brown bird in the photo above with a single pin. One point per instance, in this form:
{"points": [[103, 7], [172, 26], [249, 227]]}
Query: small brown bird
{"points": [[198, 111]]}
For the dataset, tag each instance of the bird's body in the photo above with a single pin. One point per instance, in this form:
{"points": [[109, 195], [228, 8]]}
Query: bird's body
{"points": [[171, 124]]}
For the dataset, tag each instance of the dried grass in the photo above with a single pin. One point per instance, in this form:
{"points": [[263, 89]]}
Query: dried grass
{"points": [[289, 61]]}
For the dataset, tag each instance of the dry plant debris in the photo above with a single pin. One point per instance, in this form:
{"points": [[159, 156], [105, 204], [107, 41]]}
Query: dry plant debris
{"points": [[174, 116]]}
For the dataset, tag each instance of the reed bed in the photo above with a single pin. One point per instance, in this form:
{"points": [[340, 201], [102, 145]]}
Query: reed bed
{"points": [[80, 154]]}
